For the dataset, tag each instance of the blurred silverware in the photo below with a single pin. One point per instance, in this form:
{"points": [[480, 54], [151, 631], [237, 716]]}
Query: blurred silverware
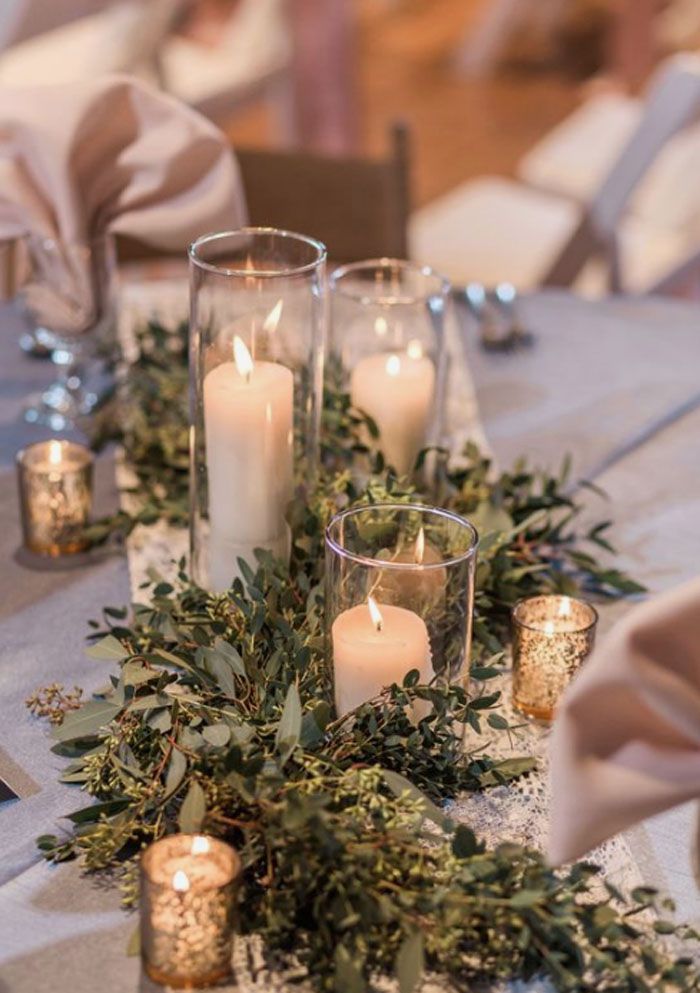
{"points": [[496, 314], [506, 297]]}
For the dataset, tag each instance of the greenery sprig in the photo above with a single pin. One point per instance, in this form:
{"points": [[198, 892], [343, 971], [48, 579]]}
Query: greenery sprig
{"points": [[219, 717]]}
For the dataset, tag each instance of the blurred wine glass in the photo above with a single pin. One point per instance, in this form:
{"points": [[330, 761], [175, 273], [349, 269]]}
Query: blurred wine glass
{"points": [[69, 304]]}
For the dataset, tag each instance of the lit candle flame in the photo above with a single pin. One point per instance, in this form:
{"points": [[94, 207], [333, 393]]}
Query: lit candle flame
{"points": [[381, 327], [375, 613], [414, 350], [273, 318], [419, 550], [242, 358], [393, 365], [548, 627], [54, 452], [200, 845], [565, 608], [181, 882]]}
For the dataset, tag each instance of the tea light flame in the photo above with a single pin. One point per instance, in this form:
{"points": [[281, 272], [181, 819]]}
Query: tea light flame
{"points": [[242, 358], [55, 452], [380, 326], [548, 627], [419, 550], [273, 318], [414, 350], [565, 608], [200, 845], [375, 613], [181, 882], [393, 365]]}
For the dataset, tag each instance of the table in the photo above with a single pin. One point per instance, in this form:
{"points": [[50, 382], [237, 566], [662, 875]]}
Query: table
{"points": [[597, 374]]}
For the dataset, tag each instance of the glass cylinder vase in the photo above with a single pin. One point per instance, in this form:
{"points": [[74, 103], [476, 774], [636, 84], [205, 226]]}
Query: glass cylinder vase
{"points": [[399, 596], [388, 350], [256, 392]]}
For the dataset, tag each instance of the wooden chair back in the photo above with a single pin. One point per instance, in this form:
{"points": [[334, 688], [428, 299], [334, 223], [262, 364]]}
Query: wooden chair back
{"points": [[357, 207], [672, 102]]}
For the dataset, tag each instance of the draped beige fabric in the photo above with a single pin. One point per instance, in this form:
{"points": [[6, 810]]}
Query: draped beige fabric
{"points": [[77, 161], [626, 742]]}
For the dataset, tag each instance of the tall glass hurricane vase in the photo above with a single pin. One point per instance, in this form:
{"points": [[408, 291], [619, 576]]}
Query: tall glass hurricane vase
{"points": [[256, 389], [388, 345]]}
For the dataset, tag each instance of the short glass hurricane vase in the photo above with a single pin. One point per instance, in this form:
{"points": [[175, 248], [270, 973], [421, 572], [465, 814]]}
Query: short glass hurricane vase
{"points": [[399, 596], [257, 346], [69, 302], [388, 350]]}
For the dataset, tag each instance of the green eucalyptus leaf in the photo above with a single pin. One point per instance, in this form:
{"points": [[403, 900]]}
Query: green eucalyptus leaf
{"points": [[217, 734], [177, 768], [135, 674], [108, 649], [289, 728], [92, 717], [193, 810], [399, 785], [410, 962]]}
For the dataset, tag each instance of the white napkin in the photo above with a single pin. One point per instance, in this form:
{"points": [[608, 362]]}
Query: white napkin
{"points": [[626, 741]]}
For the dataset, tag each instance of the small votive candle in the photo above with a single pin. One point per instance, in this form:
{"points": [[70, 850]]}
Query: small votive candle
{"points": [[552, 637], [188, 895], [55, 496]]}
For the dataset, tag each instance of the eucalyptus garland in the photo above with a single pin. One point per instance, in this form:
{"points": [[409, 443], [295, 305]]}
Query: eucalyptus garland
{"points": [[219, 718]]}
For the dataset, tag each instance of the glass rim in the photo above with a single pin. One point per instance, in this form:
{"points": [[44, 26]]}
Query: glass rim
{"points": [[24, 454], [404, 265], [554, 596], [375, 563], [289, 271], [185, 840]]}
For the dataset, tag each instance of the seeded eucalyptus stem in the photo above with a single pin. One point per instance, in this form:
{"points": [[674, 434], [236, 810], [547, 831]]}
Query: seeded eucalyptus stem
{"points": [[219, 718]]}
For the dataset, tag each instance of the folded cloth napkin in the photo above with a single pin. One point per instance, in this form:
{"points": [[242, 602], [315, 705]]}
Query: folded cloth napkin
{"points": [[626, 740], [79, 161]]}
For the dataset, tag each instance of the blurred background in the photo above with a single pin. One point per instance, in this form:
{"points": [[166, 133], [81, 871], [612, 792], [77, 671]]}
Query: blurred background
{"points": [[481, 88]]}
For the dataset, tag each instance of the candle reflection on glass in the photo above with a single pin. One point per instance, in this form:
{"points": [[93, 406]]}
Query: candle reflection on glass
{"points": [[424, 586], [188, 891], [552, 637], [55, 496], [396, 390]]}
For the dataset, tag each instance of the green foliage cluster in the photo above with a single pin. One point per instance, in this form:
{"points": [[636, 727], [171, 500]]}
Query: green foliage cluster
{"points": [[219, 718]]}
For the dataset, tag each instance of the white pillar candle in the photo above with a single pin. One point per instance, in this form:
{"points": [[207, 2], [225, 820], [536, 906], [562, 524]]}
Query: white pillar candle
{"points": [[375, 645], [248, 427], [396, 390]]}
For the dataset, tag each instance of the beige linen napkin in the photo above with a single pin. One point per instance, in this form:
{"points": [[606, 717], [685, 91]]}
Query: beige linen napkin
{"points": [[80, 160], [626, 740]]}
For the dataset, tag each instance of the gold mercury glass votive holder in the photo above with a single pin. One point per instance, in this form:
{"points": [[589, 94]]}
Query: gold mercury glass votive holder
{"points": [[552, 637], [55, 496], [188, 903]]}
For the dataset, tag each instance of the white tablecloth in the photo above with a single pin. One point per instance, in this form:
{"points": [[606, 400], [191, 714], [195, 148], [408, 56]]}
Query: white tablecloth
{"points": [[596, 376]]}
